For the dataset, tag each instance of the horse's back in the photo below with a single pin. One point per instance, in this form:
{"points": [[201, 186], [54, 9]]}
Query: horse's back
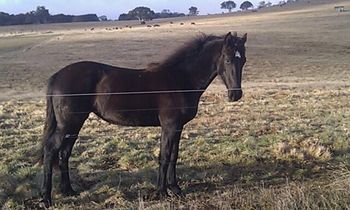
{"points": [[73, 88], [76, 78], [82, 78]]}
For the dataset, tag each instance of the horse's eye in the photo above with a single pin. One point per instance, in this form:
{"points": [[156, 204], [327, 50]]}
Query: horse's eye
{"points": [[227, 61]]}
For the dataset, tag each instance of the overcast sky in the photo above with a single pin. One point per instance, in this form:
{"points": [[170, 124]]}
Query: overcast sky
{"points": [[113, 8]]}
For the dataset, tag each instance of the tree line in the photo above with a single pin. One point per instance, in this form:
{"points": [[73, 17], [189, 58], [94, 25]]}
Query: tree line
{"points": [[145, 13], [41, 15]]}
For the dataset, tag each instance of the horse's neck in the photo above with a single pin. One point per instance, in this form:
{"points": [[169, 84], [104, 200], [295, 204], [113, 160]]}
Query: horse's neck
{"points": [[204, 70]]}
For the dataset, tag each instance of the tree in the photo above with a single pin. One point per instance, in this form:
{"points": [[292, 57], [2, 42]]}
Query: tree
{"points": [[5, 19], [229, 5], [142, 13], [281, 3], [193, 11], [246, 5], [166, 11], [262, 4], [61, 18], [103, 18], [42, 14], [85, 18], [125, 17]]}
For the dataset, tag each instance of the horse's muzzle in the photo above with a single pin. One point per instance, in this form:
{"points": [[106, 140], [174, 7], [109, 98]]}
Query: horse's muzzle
{"points": [[235, 95]]}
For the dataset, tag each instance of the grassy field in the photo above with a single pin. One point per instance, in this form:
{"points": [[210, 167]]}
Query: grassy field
{"points": [[285, 145]]}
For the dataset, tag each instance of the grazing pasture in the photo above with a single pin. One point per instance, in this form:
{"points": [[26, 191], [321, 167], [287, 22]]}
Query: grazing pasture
{"points": [[284, 145]]}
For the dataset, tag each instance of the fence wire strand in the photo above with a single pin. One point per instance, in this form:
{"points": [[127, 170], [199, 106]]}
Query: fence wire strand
{"points": [[126, 93]]}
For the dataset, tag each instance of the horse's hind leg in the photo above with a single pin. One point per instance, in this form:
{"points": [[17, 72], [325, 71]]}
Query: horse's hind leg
{"points": [[51, 149], [64, 154], [71, 135], [58, 148]]}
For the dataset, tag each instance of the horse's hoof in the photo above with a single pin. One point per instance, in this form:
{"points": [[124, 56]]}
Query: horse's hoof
{"points": [[47, 202], [176, 191], [158, 195], [69, 192]]}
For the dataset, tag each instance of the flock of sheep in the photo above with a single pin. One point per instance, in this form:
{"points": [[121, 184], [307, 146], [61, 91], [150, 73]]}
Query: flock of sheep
{"points": [[142, 23]]}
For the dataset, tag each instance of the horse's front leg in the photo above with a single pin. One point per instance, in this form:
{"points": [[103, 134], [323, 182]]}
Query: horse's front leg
{"points": [[169, 140]]}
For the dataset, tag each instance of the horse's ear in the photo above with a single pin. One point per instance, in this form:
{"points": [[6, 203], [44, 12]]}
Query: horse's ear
{"points": [[228, 35], [228, 39], [244, 37]]}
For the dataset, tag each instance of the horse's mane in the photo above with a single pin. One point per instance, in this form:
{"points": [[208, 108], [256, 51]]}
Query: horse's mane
{"points": [[190, 49]]}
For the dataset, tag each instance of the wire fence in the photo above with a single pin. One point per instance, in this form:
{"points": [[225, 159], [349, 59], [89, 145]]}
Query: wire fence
{"points": [[136, 92], [26, 96], [125, 93], [28, 132], [42, 114], [86, 138]]}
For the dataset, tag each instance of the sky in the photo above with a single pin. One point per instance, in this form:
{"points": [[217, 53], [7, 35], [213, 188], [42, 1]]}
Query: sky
{"points": [[113, 8]]}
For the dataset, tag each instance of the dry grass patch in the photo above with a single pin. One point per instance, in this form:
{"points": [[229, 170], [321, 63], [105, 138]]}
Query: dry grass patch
{"points": [[226, 154]]}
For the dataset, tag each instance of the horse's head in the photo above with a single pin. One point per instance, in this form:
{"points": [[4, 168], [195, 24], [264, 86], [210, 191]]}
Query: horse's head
{"points": [[230, 64]]}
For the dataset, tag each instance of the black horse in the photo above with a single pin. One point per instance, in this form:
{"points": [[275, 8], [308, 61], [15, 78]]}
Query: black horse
{"points": [[165, 94]]}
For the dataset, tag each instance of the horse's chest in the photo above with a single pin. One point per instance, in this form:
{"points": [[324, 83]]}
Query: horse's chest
{"points": [[189, 113]]}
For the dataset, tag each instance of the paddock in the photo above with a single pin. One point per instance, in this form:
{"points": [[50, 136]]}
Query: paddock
{"points": [[284, 144]]}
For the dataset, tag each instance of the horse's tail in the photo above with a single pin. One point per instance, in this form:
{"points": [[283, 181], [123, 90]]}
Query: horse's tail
{"points": [[50, 122]]}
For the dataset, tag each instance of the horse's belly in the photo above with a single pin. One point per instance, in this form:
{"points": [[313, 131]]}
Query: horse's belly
{"points": [[132, 117]]}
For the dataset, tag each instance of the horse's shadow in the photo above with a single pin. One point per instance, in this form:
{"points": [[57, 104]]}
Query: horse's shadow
{"points": [[204, 179]]}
